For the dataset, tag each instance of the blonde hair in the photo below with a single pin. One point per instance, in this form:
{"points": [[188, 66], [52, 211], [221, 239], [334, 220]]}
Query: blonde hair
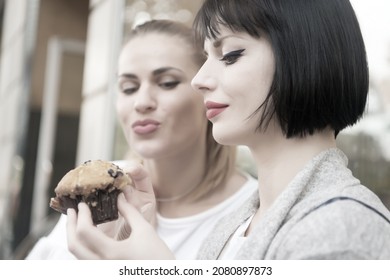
{"points": [[220, 164], [220, 160]]}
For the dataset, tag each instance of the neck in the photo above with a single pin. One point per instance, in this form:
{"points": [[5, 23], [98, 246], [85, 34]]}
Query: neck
{"points": [[176, 177], [281, 159]]}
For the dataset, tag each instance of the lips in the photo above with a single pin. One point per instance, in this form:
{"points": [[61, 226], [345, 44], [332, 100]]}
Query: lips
{"points": [[214, 109], [144, 127]]}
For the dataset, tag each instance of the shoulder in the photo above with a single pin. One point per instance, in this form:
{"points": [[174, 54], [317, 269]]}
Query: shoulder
{"points": [[339, 229]]}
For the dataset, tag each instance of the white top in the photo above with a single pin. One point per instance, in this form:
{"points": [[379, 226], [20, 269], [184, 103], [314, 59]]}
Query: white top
{"points": [[54, 246], [236, 241], [182, 235], [185, 235]]}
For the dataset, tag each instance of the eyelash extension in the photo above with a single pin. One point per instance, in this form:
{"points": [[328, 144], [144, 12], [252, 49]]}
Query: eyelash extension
{"points": [[232, 56]]}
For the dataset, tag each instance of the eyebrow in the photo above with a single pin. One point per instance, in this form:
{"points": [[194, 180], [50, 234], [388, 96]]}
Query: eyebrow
{"points": [[162, 70], [156, 72], [128, 76], [218, 41]]}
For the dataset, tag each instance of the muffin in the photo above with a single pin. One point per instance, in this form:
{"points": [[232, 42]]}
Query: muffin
{"points": [[97, 183]]}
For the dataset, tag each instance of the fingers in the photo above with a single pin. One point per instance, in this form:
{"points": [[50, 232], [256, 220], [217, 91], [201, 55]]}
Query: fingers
{"points": [[147, 208], [128, 192], [142, 194], [109, 228], [123, 231], [85, 240], [131, 214], [74, 246], [140, 177], [84, 216], [71, 224]]}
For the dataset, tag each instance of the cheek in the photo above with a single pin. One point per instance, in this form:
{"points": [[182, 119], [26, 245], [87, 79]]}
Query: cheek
{"points": [[256, 85], [123, 107], [189, 115]]}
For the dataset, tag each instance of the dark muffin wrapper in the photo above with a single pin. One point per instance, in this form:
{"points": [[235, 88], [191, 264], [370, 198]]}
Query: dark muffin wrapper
{"points": [[102, 203]]}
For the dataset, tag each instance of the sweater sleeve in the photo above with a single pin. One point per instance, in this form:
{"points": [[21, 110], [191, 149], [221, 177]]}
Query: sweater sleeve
{"points": [[339, 230]]}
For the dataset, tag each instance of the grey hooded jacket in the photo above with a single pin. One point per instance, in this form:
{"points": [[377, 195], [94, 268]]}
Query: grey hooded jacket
{"points": [[324, 213]]}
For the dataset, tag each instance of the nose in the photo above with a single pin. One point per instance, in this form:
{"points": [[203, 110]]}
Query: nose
{"points": [[145, 100], [203, 82]]}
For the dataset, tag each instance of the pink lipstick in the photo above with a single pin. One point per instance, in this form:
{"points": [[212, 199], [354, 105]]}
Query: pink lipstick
{"points": [[214, 109], [145, 126]]}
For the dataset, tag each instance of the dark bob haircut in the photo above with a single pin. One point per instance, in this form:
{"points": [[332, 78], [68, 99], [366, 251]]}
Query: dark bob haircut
{"points": [[321, 74]]}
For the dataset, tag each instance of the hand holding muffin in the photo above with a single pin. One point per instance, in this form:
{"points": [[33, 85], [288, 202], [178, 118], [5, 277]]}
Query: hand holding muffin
{"points": [[139, 239]]}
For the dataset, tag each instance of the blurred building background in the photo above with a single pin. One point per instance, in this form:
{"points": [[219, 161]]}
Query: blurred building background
{"points": [[57, 90]]}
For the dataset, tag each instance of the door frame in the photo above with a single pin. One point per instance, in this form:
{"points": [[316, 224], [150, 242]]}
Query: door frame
{"points": [[56, 50]]}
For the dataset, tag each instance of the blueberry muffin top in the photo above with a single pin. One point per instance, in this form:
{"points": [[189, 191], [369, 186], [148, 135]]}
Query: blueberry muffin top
{"points": [[91, 176]]}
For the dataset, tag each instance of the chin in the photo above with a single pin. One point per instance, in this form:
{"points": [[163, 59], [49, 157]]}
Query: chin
{"points": [[145, 151], [224, 138]]}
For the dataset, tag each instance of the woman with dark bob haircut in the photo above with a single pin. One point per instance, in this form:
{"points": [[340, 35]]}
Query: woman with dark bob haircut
{"points": [[284, 77]]}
